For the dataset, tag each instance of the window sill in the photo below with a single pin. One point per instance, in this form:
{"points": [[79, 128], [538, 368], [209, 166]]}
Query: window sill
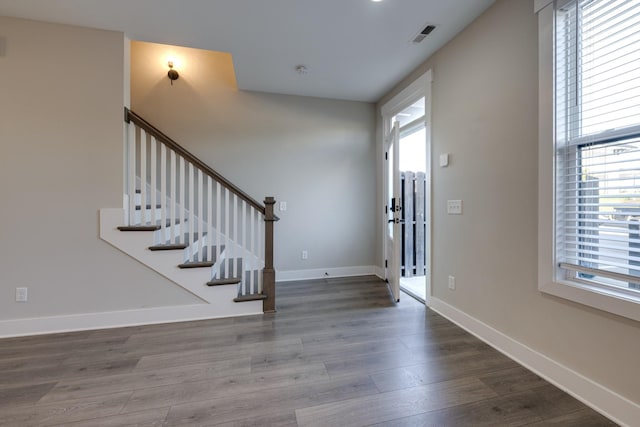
{"points": [[603, 299]]}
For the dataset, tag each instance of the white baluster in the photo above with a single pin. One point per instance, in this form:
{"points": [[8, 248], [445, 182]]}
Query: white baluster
{"points": [[183, 190], [260, 248], [163, 192], [191, 216], [210, 218], [132, 173], [252, 247], [200, 217], [218, 224], [243, 209], [174, 201], [227, 246], [236, 216], [153, 163], [143, 176]]}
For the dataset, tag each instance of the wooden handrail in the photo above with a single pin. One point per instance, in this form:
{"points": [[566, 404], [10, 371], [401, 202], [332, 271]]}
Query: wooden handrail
{"points": [[130, 116]]}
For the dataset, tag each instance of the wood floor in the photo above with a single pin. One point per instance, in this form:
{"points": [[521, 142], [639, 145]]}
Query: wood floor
{"points": [[337, 353]]}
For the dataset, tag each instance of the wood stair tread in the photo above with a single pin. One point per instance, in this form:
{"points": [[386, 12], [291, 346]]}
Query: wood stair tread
{"points": [[146, 227], [220, 282], [252, 297], [168, 247], [196, 264], [182, 244], [139, 228]]}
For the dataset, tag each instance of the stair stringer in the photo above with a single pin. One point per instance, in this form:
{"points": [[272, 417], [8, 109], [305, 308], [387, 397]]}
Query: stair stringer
{"points": [[136, 245]]}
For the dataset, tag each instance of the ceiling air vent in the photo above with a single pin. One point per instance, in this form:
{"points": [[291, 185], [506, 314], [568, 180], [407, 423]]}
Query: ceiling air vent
{"points": [[424, 33]]}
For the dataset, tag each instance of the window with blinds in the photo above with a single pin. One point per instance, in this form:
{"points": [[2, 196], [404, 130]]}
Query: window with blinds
{"points": [[597, 151]]}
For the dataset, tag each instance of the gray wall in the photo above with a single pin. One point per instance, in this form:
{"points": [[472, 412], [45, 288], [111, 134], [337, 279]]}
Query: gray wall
{"points": [[485, 115], [61, 127], [318, 155]]}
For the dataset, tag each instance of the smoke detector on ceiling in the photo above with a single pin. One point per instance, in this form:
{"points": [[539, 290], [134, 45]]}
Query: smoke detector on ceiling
{"points": [[424, 33]]}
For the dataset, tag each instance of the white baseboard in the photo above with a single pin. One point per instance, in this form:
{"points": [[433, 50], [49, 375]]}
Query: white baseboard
{"points": [[117, 319], [610, 404], [147, 316], [379, 271], [320, 273]]}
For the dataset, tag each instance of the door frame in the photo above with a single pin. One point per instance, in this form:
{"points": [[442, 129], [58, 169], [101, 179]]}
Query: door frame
{"points": [[421, 87]]}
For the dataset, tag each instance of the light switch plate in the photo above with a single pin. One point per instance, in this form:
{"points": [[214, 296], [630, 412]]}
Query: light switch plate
{"points": [[444, 160], [454, 207], [22, 294]]}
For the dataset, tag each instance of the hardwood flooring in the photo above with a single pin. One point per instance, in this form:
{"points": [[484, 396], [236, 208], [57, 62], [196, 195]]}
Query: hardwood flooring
{"points": [[337, 353]]}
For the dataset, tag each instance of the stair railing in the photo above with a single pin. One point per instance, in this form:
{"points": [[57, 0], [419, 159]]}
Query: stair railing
{"points": [[194, 207]]}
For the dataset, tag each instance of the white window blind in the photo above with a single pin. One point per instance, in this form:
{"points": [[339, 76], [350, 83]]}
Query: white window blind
{"points": [[597, 112]]}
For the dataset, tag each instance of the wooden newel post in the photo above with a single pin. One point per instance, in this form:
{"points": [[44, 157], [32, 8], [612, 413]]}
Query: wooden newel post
{"points": [[269, 274]]}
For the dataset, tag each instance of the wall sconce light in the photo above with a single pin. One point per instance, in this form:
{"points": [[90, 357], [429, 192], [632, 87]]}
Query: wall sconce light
{"points": [[173, 74]]}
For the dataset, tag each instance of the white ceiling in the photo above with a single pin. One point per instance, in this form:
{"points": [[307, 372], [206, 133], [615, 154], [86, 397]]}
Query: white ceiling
{"points": [[354, 49]]}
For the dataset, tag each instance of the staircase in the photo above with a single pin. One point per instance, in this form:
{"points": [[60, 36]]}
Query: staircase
{"points": [[191, 225]]}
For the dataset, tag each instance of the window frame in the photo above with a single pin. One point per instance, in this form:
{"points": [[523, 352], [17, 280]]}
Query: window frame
{"points": [[551, 279]]}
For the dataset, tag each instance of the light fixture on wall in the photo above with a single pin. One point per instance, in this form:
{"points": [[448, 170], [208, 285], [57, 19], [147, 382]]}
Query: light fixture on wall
{"points": [[173, 74]]}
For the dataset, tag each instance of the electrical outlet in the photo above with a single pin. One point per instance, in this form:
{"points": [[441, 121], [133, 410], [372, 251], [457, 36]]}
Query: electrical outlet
{"points": [[452, 283], [283, 206], [305, 254], [22, 294]]}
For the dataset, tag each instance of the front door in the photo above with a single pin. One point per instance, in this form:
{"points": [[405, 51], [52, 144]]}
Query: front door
{"points": [[394, 214]]}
